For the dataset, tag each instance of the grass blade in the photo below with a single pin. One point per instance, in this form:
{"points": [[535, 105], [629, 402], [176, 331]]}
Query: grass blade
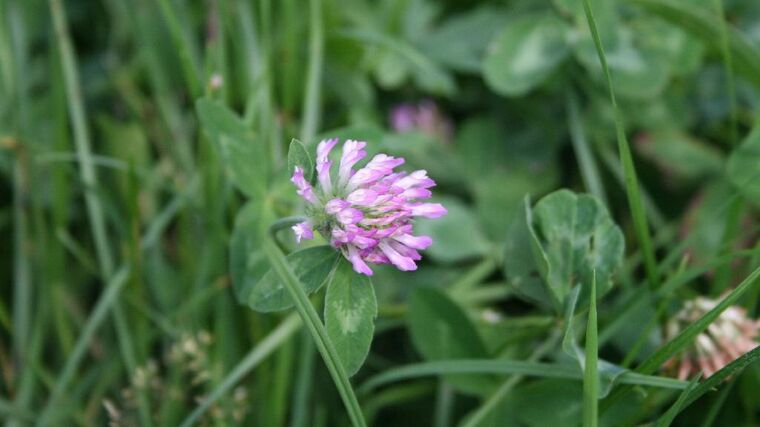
{"points": [[590, 367], [81, 137], [311, 110], [102, 307], [189, 68], [732, 369], [316, 328], [670, 415], [496, 398], [261, 351], [640, 223], [589, 170], [686, 337], [505, 367]]}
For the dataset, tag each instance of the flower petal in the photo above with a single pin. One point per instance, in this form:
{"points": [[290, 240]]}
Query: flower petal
{"points": [[403, 263], [303, 186], [353, 151], [429, 210], [303, 230], [359, 265]]}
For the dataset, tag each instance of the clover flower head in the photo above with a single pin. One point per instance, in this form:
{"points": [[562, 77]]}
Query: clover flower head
{"points": [[425, 117], [725, 340], [366, 212]]}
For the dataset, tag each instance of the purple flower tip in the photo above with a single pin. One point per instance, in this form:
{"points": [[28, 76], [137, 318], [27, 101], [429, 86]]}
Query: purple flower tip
{"points": [[368, 212]]}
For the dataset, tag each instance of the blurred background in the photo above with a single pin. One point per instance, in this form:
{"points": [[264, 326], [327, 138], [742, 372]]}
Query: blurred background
{"points": [[118, 209]]}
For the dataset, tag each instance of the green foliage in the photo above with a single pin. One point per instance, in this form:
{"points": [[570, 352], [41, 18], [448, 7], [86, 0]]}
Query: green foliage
{"points": [[247, 261], [312, 267], [245, 162], [441, 330], [145, 151], [457, 235], [350, 311], [575, 236], [298, 156], [744, 167], [523, 55]]}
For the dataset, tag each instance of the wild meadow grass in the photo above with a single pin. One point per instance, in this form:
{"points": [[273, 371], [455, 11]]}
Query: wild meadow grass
{"points": [[403, 212]]}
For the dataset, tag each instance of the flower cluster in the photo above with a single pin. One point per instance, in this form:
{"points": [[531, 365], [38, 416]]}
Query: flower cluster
{"points": [[366, 213], [725, 340], [425, 117]]}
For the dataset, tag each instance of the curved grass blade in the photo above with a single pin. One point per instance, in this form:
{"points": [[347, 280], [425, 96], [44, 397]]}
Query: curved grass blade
{"points": [[733, 368], [505, 367], [686, 336]]}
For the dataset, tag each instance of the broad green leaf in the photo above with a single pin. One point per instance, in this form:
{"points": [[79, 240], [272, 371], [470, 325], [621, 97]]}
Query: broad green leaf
{"points": [[248, 263], [441, 330], [576, 236], [524, 54], [639, 65], [499, 197], [481, 146], [680, 155], [427, 74], [350, 311], [390, 69], [702, 22], [312, 266], [421, 151], [456, 235], [460, 41], [298, 156], [243, 155], [744, 167], [520, 267]]}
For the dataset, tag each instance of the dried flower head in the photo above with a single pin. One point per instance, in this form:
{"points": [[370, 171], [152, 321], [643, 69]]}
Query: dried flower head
{"points": [[366, 213], [182, 377], [725, 340]]}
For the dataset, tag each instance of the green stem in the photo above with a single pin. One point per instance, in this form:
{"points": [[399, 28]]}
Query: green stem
{"points": [[316, 328]]}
